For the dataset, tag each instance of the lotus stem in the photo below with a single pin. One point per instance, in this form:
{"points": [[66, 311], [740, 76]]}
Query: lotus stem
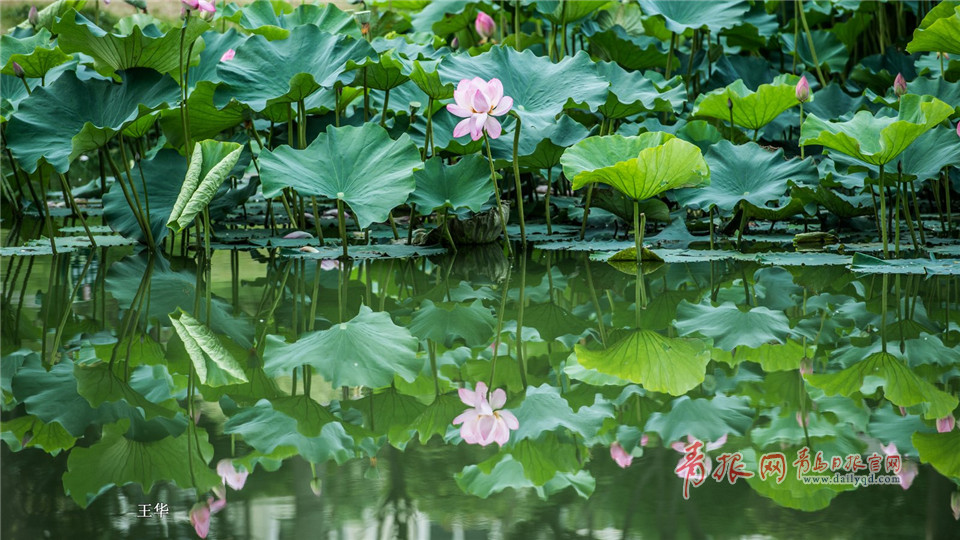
{"points": [[446, 229], [432, 351], [496, 191], [813, 50], [136, 195], [563, 28], [366, 97], [383, 113], [916, 211], [710, 218], [673, 44], [47, 218], [343, 227], [429, 131], [74, 208], [883, 215], [639, 225], [904, 200], [516, 178], [946, 193], [896, 214], [521, 302], [207, 262], [801, 127], [316, 219], [586, 211], [134, 207], [516, 25], [184, 120]]}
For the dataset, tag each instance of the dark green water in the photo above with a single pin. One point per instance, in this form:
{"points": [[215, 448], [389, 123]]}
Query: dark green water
{"points": [[725, 338]]}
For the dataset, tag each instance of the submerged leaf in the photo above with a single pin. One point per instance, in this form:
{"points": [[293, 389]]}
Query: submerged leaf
{"points": [[214, 364]]}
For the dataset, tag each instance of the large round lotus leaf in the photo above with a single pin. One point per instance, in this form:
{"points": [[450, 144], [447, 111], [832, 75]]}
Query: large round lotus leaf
{"points": [[59, 122], [948, 92], [730, 327], [541, 146], [942, 450], [465, 184], [939, 31], [640, 167], [747, 174], [35, 54], [832, 103], [632, 92], [12, 93], [273, 432], [558, 11], [362, 166], [215, 45], [267, 72], [900, 385], [629, 51], [386, 73], [752, 110], [877, 140], [369, 350], [680, 16], [831, 52], [661, 364], [702, 419], [144, 48], [924, 158], [544, 410], [540, 88], [448, 324], [262, 17]]}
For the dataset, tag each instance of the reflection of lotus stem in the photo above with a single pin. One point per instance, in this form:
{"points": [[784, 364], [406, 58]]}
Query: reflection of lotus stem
{"points": [[883, 314], [500, 312], [946, 194], [66, 312], [134, 206], [446, 229], [595, 301], [673, 43], [813, 50], [801, 127], [343, 226], [639, 224], [136, 194], [45, 214], [521, 301], [76, 210], [316, 218], [904, 200], [896, 214], [516, 178], [546, 200], [883, 215], [428, 134], [496, 191]]}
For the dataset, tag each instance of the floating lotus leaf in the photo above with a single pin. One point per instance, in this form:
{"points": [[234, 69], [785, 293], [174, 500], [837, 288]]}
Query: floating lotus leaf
{"points": [[681, 16], [368, 350], [661, 364], [747, 176], [210, 166], [265, 73], [68, 117], [35, 54], [877, 140], [640, 167], [752, 110], [264, 18], [900, 385], [215, 366], [444, 324], [144, 48], [730, 327], [362, 166], [634, 92], [939, 30], [115, 460], [465, 184]]}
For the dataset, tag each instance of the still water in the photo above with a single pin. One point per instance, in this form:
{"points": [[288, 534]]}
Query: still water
{"points": [[102, 349]]}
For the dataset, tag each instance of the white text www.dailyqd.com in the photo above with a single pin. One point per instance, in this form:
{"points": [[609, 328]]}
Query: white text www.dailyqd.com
{"points": [[871, 479]]}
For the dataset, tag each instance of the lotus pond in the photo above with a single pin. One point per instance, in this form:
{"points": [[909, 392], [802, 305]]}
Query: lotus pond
{"points": [[468, 269]]}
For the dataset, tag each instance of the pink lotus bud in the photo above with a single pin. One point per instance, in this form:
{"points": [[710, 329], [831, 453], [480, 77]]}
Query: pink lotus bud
{"points": [[903, 411], [32, 18], [227, 56], [899, 85], [644, 440], [803, 421], [190, 4], [806, 366], [18, 70], [946, 424], [803, 89], [620, 455], [485, 25], [455, 43], [955, 505], [907, 474], [958, 129], [206, 7]]}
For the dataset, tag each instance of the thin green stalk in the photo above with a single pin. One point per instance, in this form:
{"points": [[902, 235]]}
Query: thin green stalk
{"points": [[496, 191], [883, 216], [521, 301], [429, 133], [343, 227], [916, 211], [184, 69], [639, 224], [563, 28], [516, 178], [136, 195], [813, 50], [801, 127], [446, 229], [134, 207], [673, 44], [383, 113], [546, 200], [75, 208]]}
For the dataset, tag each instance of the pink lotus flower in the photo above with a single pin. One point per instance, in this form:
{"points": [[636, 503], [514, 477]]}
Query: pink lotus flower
{"points": [[230, 475], [206, 7], [18, 70], [908, 470], [191, 4], [227, 56], [620, 455], [946, 424], [707, 462], [958, 129], [200, 514], [899, 85], [485, 25], [803, 89], [484, 424], [955, 505], [803, 421], [477, 102]]}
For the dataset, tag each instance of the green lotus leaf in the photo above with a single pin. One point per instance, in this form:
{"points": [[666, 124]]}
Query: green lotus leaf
{"points": [[831, 52], [215, 365], [702, 419], [427, 79], [206, 120], [362, 166], [444, 324], [752, 110], [509, 473], [112, 52], [681, 16], [877, 140], [544, 410], [310, 415], [543, 458], [369, 350], [12, 93], [901, 386], [730, 327], [35, 54], [540, 88], [264, 73], [465, 184], [68, 117], [939, 31], [210, 166], [556, 11], [115, 460], [792, 492], [30, 432], [832, 103], [633, 52], [263, 17], [384, 74], [942, 450], [661, 364], [52, 12], [640, 167], [437, 417], [388, 412], [273, 433], [552, 321], [924, 159], [747, 176], [634, 92], [98, 384], [215, 45], [941, 89], [541, 145]]}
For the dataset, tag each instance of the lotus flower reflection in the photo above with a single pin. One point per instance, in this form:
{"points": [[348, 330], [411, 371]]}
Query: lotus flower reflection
{"points": [[478, 102], [484, 423]]}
